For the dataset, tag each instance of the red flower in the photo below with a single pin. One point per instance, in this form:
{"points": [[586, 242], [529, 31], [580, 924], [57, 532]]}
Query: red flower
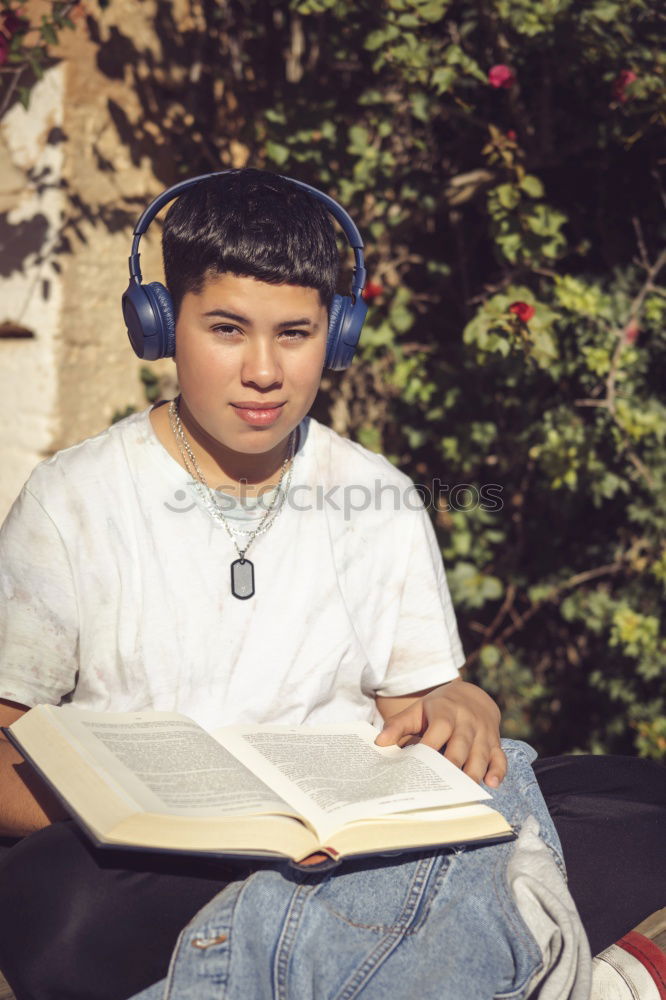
{"points": [[501, 76], [621, 82], [12, 22], [522, 310], [4, 50], [372, 290], [631, 331], [511, 135]]}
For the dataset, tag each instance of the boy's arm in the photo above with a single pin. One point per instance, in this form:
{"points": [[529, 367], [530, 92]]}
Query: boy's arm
{"points": [[458, 714], [26, 804]]}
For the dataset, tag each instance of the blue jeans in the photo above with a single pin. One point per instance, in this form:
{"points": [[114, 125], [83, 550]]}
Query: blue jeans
{"points": [[441, 925]]}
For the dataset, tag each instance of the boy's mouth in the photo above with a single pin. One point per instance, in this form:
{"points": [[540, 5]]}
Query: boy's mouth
{"points": [[259, 414]]}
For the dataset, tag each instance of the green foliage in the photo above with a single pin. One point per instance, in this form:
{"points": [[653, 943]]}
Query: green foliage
{"points": [[151, 383], [126, 411], [29, 48], [518, 345], [152, 390]]}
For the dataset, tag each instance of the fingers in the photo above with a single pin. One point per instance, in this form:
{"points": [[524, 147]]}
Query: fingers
{"points": [[471, 743], [464, 750], [438, 732], [401, 727], [497, 767], [475, 755]]}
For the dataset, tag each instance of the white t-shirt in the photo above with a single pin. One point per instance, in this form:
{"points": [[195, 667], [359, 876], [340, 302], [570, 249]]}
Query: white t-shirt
{"points": [[115, 588]]}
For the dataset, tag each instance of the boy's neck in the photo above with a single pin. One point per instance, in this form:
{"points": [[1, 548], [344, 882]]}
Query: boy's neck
{"points": [[223, 469]]}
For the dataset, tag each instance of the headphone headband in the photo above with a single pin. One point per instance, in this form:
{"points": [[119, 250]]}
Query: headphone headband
{"points": [[148, 309], [346, 222]]}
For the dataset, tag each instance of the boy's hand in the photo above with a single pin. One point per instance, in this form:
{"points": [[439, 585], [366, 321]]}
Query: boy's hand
{"points": [[463, 717]]}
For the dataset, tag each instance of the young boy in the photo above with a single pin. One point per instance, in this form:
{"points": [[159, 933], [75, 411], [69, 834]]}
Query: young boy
{"points": [[158, 565]]}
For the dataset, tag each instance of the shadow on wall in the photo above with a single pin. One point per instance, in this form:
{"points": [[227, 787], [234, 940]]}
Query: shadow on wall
{"points": [[20, 240], [196, 101], [188, 121]]}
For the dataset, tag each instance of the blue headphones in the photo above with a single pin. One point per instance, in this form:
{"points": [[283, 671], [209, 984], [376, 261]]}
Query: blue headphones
{"points": [[148, 309]]}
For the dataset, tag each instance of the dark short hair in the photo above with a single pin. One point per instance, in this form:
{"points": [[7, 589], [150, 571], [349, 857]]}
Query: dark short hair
{"points": [[248, 223]]}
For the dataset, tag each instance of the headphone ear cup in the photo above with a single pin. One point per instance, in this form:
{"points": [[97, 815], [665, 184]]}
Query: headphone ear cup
{"points": [[148, 314], [344, 329], [163, 310], [334, 327]]}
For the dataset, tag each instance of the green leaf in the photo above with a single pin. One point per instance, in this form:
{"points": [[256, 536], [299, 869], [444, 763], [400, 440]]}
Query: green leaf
{"points": [[277, 153], [420, 106], [275, 115], [380, 37], [510, 245], [35, 59], [48, 34], [605, 11], [24, 96], [401, 319], [490, 656], [471, 587], [370, 437], [359, 137], [433, 11], [508, 196], [443, 79], [371, 96], [532, 186]]}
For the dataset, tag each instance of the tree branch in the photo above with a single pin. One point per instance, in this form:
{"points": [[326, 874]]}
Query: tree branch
{"points": [[520, 620]]}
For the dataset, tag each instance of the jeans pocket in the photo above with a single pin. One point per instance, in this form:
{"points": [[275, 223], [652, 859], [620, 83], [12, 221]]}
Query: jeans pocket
{"points": [[383, 896]]}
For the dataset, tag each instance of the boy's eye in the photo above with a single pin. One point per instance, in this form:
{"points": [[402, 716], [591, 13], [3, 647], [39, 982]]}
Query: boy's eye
{"points": [[294, 334], [226, 329]]}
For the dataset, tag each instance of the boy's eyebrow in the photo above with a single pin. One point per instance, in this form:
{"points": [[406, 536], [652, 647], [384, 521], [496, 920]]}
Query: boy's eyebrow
{"points": [[225, 314]]}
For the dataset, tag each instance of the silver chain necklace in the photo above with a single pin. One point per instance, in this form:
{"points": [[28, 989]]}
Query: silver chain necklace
{"points": [[242, 569]]}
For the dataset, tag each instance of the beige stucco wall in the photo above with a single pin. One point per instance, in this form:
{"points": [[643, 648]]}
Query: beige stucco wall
{"points": [[66, 382], [98, 372], [30, 302]]}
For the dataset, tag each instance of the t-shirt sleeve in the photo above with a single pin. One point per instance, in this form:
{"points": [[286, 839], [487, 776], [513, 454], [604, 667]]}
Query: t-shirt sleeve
{"points": [[38, 608], [427, 650]]}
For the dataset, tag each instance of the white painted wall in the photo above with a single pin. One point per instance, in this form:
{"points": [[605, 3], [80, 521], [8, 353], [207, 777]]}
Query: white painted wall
{"points": [[28, 367]]}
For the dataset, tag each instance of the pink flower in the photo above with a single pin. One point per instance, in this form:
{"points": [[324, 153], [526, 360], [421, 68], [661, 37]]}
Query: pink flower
{"points": [[372, 290], [631, 331], [621, 82], [511, 134], [523, 310], [501, 76]]}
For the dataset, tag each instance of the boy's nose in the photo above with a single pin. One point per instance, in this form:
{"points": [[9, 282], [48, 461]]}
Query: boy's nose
{"points": [[261, 365]]}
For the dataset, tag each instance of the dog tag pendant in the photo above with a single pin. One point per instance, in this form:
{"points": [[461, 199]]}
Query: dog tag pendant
{"points": [[242, 579]]}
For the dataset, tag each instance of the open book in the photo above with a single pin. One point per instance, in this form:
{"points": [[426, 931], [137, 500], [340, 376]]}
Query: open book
{"points": [[158, 781]]}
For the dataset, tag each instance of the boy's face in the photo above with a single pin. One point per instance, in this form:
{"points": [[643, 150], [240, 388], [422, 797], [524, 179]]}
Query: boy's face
{"points": [[249, 357]]}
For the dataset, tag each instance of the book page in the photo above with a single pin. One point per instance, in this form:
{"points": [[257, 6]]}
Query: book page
{"points": [[338, 775], [167, 764]]}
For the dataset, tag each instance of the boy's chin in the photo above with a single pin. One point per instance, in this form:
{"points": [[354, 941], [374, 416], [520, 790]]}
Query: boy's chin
{"points": [[260, 440]]}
